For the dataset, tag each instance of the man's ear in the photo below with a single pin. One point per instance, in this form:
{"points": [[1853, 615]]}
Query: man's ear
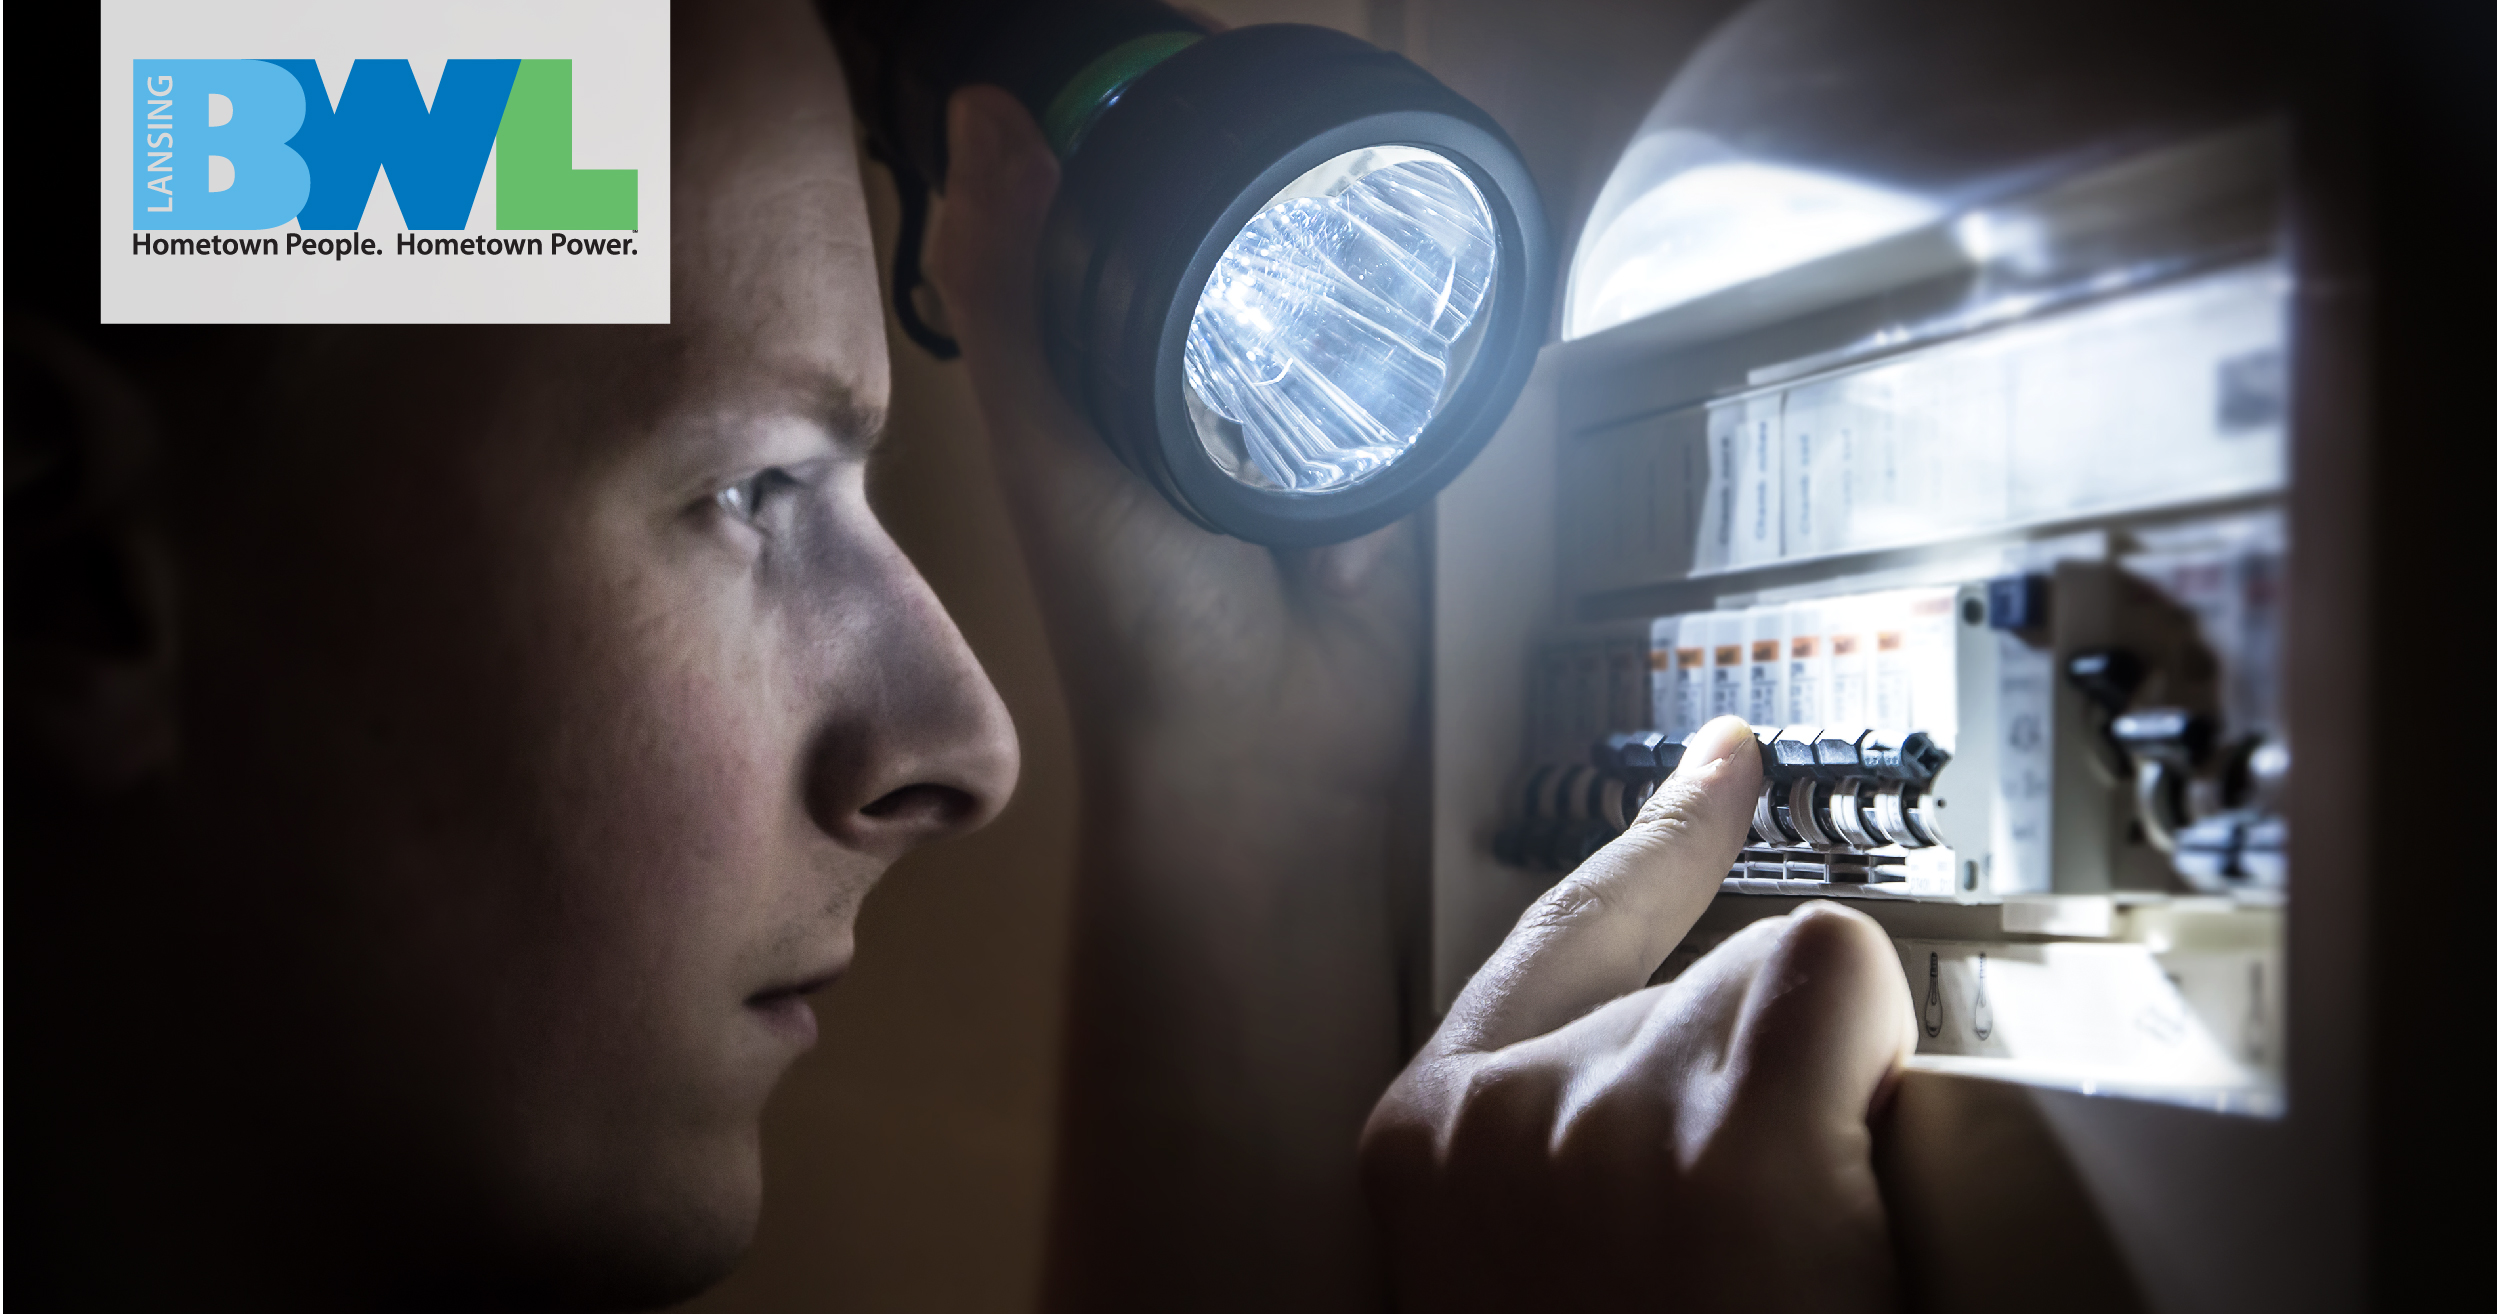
{"points": [[90, 607]]}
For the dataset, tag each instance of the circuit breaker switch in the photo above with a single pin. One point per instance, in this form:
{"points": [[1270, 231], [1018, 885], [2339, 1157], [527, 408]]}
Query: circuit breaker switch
{"points": [[1769, 827], [1843, 817], [1569, 844], [1891, 815], [1645, 753], [1836, 753], [1793, 752], [1669, 754], [2171, 734], [1764, 735], [1803, 810], [1571, 794], [1920, 809], [1618, 753], [1914, 758], [2167, 744], [2107, 676], [1830, 797], [1537, 793], [2018, 602]]}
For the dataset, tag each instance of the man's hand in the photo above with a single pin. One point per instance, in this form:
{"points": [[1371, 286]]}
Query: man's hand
{"points": [[1572, 1140]]}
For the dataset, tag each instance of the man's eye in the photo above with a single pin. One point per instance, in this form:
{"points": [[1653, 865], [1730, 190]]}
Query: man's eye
{"points": [[745, 499]]}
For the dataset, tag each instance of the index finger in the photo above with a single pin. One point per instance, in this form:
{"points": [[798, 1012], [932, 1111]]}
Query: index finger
{"points": [[1601, 931]]}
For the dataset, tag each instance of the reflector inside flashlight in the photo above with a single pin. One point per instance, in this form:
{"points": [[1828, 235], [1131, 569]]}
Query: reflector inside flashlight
{"points": [[1340, 319]]}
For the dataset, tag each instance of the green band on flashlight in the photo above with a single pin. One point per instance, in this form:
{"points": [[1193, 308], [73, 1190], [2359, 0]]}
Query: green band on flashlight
{"points": [[1073, 111]]}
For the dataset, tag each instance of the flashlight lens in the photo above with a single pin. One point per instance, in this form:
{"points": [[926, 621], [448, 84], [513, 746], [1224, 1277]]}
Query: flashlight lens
{"points": [[1340, 319]]}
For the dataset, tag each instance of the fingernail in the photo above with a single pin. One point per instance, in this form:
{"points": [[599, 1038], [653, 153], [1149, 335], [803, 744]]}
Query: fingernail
{"points": [[1715, 743]]}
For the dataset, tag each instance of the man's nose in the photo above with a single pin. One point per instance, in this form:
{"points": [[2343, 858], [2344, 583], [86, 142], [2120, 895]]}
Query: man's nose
{"points": [[921, 747]]}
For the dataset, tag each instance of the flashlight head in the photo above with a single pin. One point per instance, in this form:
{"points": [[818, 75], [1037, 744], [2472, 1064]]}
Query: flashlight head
{"points": [[1294, 281]]}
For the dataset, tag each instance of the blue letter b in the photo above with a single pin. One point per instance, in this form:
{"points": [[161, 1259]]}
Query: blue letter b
{"points": [[173, 142]]}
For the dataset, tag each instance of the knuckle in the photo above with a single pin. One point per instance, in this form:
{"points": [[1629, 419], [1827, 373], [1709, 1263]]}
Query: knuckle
{"points": [[1502, 1115], [1622, 1131], [1497, 1086], [1828, 941], [1398, 1120], [1399, 1150], [1579, 897], [1483, 1133]]}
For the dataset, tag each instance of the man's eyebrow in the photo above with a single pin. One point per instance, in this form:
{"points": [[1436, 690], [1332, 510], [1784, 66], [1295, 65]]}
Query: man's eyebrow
{"points": [[856, 426]]}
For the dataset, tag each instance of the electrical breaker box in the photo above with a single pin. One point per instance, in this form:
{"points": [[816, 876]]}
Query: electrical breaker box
{"points": [[1981, 526]]}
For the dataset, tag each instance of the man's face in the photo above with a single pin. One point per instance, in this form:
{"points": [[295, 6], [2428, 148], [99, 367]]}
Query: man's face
{"points": [[566, 698]]}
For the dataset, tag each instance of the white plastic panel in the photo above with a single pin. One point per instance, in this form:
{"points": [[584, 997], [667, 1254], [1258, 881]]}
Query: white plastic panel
{"points": [[2163, 398]]}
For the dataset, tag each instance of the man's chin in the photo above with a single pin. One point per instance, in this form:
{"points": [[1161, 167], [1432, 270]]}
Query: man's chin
{"points": [[654, 1241], [601, 1276], [656, 1279]]}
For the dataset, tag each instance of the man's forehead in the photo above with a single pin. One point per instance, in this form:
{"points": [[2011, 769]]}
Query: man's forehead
{"points": [[775, 275], [694, 403], [757, 84]]}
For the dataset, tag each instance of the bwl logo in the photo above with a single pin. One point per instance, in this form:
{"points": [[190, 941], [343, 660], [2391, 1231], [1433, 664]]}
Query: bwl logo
{"points": [[249, 144]]}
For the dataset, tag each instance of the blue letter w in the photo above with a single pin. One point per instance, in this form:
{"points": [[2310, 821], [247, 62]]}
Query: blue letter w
{"points": [[436, 160]]}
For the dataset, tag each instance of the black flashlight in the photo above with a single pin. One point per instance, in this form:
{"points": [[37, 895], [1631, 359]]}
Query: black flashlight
{"points": [[1293, 280]]}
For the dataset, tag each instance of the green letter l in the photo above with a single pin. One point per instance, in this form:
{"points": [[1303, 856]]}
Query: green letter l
{"points": [[536, 185]]}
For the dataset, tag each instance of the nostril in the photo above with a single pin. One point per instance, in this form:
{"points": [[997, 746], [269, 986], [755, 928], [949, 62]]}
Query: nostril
{"points": [[929, 807]]}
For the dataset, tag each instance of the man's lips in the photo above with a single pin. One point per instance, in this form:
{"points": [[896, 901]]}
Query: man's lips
{"points": [[785, 1007]]}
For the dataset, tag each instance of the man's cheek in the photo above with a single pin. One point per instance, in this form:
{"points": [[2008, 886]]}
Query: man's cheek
{"points": [[682, 741], [704, 789]]}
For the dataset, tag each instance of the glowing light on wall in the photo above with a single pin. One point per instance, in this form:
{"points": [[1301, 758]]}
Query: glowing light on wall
{"points": [[1681, 233]]}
